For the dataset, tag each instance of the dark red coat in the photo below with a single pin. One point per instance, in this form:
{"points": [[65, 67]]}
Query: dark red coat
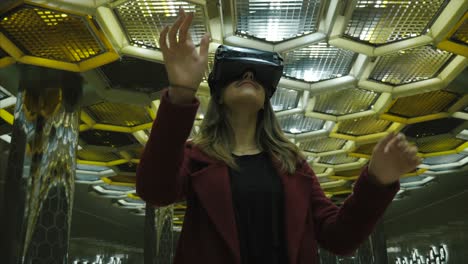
{"points": [[172, 170]]}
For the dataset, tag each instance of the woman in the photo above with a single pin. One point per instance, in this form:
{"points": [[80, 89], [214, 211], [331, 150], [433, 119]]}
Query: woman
{"points": [[251, 196]]}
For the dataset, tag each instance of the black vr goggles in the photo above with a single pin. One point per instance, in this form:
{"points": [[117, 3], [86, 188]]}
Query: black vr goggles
{"points": [[231, 63]]}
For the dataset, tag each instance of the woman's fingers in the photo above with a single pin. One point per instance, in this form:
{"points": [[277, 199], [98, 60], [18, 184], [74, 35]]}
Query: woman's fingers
{"points": [[417, 160], [393, 143], [411, 157], [183, 31], [204, 45], [163, 41], [402, 145], [411, 151], [383, 143], [175, 29]]}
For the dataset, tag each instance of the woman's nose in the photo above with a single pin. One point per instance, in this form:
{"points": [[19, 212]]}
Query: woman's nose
{"points": [[248, 75]]}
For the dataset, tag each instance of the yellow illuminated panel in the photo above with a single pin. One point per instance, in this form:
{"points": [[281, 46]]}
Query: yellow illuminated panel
{"points": [[94, 155], [120, 179], [337, 159], [438, 144], [363, 126], [364, 150], [456, 40], [133, 152], [119, 114], [461, 35], [319, 170], [423, 104], [50, 34], [323, 144]]}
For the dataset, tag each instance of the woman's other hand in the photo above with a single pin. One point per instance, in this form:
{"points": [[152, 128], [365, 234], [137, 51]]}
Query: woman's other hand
{"points": [[393, 157], [184, 65]]}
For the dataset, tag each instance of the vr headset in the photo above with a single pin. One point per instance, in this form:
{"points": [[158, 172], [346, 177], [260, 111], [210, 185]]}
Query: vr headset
{"points": [[230, 63]]}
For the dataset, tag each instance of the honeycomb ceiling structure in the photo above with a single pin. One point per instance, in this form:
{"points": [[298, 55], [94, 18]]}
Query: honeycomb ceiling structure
{"points": [[355, 70]]}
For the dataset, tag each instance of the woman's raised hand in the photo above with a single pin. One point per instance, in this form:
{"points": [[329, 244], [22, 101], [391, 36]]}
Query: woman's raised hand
{"points": [[392, 157], [184, 65]]}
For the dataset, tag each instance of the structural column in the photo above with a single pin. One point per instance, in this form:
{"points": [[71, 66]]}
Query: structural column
{"points": [[150, 235], [159, 235], [39, 185], [379, 244]]}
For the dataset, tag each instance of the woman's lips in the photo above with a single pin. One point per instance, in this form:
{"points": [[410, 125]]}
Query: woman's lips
{"points": [[248, 82]]}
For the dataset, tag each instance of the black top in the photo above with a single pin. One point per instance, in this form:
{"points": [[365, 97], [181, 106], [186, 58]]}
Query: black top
{"points": [[257, 193]]}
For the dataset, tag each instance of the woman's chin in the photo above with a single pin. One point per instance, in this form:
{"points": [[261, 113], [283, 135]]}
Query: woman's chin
{"points": [[244, 103]]}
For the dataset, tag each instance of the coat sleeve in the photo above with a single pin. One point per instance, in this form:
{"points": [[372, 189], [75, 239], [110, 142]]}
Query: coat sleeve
{"points": [[341, 230], [163, 170]]}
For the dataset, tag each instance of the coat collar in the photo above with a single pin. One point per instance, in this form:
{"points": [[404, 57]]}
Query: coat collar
{"points": [[212, 185], [197, 154]]}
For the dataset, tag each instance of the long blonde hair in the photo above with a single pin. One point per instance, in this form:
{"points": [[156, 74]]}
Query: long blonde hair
{"points": [[216, 137]]}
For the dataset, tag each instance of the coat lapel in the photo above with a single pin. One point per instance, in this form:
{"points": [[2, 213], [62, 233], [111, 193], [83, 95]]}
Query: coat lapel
{"points": [[297, 190], [212, 186]]}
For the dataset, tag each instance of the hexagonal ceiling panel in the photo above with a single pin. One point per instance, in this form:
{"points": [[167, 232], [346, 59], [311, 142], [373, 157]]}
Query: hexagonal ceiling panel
{"points": [[54, 31], [107, 138], [298, 123], [437, 135], [363, 126], [432, 128], [364, 150], [285, 99], [55, 38], [134, 74], [337, 159], [322, 145], [118, 114], [380, 22], [318, 62], [276, 21], [461, 35], [97, 155], [143, 20], [407, 66], [345, 101], [430, 103]]}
